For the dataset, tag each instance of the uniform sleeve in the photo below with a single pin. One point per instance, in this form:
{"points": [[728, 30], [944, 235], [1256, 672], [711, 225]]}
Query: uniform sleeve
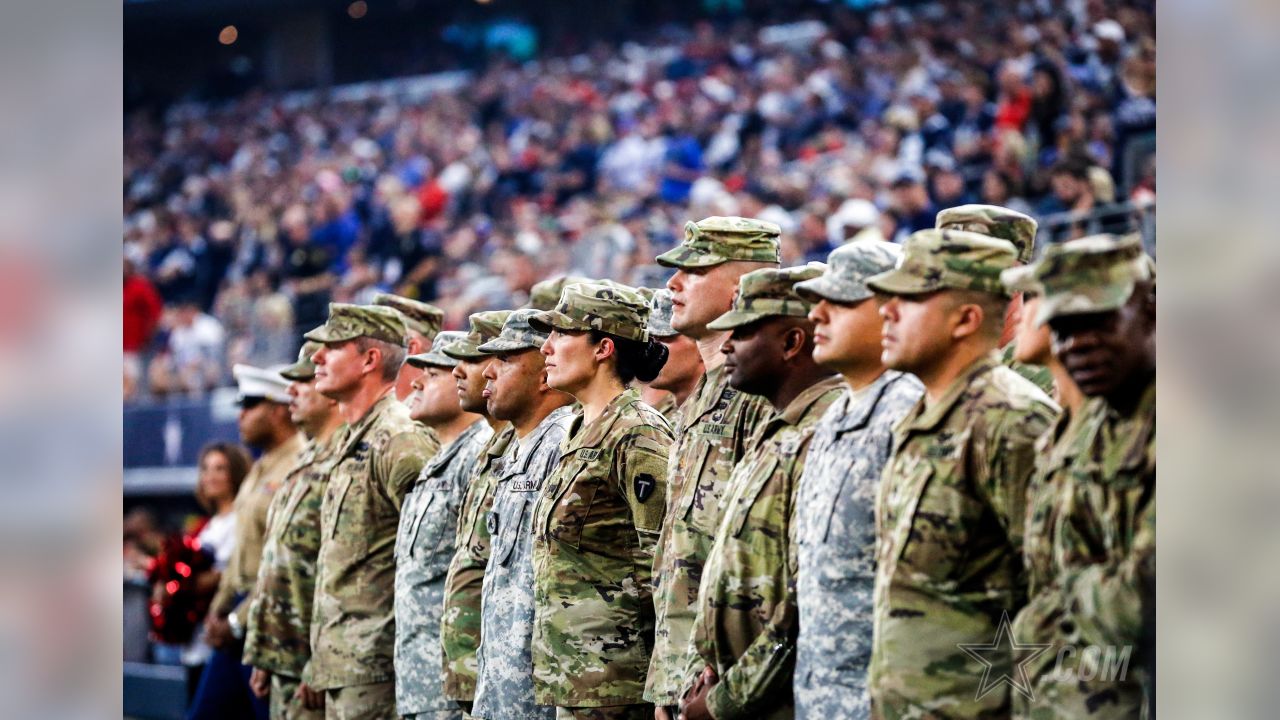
{"points": [[1007, 463], [642, 471], [399, 465], [768, 664]]}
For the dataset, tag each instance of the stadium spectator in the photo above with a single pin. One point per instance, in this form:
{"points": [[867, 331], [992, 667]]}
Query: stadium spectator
{"points": [[142, 310], [192, 361]]}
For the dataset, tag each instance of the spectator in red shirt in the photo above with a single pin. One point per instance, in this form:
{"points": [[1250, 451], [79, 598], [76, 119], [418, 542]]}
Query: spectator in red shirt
{"points": [[142, 309]]}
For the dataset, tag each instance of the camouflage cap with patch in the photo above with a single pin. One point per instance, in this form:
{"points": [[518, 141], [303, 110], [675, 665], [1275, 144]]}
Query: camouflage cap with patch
{"points": [[611, 308], [303, 370], [768, 292], [435, 356], [717, 240], [348, 322], [993, 221], [545, 295], [660, 311], [848, 268], [517, 334], [1089, 275], [485, 326], [947, 259], [423, 318]]}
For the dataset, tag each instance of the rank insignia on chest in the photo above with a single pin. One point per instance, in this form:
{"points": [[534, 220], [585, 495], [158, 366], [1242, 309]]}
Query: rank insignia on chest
{"points": [[589, 454], [644, 485]]}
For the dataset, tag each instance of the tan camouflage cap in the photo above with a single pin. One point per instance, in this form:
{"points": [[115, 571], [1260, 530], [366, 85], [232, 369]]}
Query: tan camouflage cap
{"points": [[304, 369], [939, 259], [545, 295], [423, 318], [660, 310], [348, 322], [993, 221], [435, 356], [1020, 279], [768, 292], [614, 308], [717, 240], [848, 268], [485, 326], [1092, 274], [516, 334]]}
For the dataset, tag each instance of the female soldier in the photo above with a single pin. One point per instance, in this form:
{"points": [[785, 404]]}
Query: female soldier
{"points": [[598, 517]]}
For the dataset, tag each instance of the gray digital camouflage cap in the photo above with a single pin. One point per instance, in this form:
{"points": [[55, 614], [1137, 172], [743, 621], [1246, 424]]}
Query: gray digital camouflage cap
{"points": [[1092, 274], [848, 267], [716, 240], [660, 311], [545, 295], [768, 292], [348, 322], [517, 334], [993, 221], [947, 259], [303, 370], [435, 356], [423, 318], [613, 308], [485, 326]]}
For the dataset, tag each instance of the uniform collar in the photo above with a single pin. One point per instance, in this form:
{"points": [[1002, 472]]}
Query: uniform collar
{"points": [[800, 405], [860, 406], [925, 417], [582, 435], [524, 449]]}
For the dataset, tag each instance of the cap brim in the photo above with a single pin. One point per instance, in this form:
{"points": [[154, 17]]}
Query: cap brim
{"points": [[463, 351], [299, 372], [734, 319], [821, 288], [432, 359], [493, 347], [551, 320], [1101, 299], [683, 258], [896, 282], [323, 334]]}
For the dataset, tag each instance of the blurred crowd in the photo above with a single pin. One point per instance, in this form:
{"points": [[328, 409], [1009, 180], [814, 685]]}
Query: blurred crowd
{"points": [[244, 220]]}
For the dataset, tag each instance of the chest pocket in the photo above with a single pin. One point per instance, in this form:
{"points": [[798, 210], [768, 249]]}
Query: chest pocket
{"points": [[706, 479], [341, 520], [900, 494], [938, 520], [434, 519], [746, 513], [516, 492], [585, 471]]}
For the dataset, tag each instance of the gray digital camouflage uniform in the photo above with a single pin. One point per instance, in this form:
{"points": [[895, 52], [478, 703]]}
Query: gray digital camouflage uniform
{"points": [[504, 685], [424, 548], [835, 538]]}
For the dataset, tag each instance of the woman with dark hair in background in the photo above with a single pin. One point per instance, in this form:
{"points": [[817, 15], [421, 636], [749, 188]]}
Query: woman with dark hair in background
{"points": [[597, 521]]}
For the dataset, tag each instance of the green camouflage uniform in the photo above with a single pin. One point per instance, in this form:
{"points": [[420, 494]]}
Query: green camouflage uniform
{"points": [[1090, 544], [713, 429], [1019, 229], [835, 529], [746, 622], [595, 526], [378, 460], [951, 507], [424, 549], [460, 618], [278, 637]]}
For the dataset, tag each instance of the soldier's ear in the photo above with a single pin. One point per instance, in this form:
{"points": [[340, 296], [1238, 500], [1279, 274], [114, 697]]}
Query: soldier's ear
{"points": [[794, 341], [968, 320], [605, 349]]}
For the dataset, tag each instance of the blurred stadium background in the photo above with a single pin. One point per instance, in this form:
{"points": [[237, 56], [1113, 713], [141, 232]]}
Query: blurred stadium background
{"points": [[279, 155]]}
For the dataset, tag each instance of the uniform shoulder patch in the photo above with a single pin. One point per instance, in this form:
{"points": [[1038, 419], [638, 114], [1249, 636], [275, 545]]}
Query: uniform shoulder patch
{"points": [[644, 484]]}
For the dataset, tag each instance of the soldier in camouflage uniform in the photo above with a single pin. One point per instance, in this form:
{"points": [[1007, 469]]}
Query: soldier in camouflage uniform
{"points": [[952, 499], [460, 620], [597, 519], [421, 321], [1004, 224], [380, 456], [1090, 545], [683, 369], [278, 638], [712, 432], [745, 628], [1032, 344], [518, 393], [835, 525], [428, 524]]}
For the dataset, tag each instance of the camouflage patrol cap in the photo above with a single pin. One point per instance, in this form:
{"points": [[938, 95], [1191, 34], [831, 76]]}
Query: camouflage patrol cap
{"points": [[1089, 275], [304, 369], [660, 310], [939, 259], [348, 322], [485, 326], [545, 295], [422, 318], [848, 268], [717, 240], [993, 221], [435, 356], [611, 308], [1020, 279], [768, 292], [516, 334]]}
